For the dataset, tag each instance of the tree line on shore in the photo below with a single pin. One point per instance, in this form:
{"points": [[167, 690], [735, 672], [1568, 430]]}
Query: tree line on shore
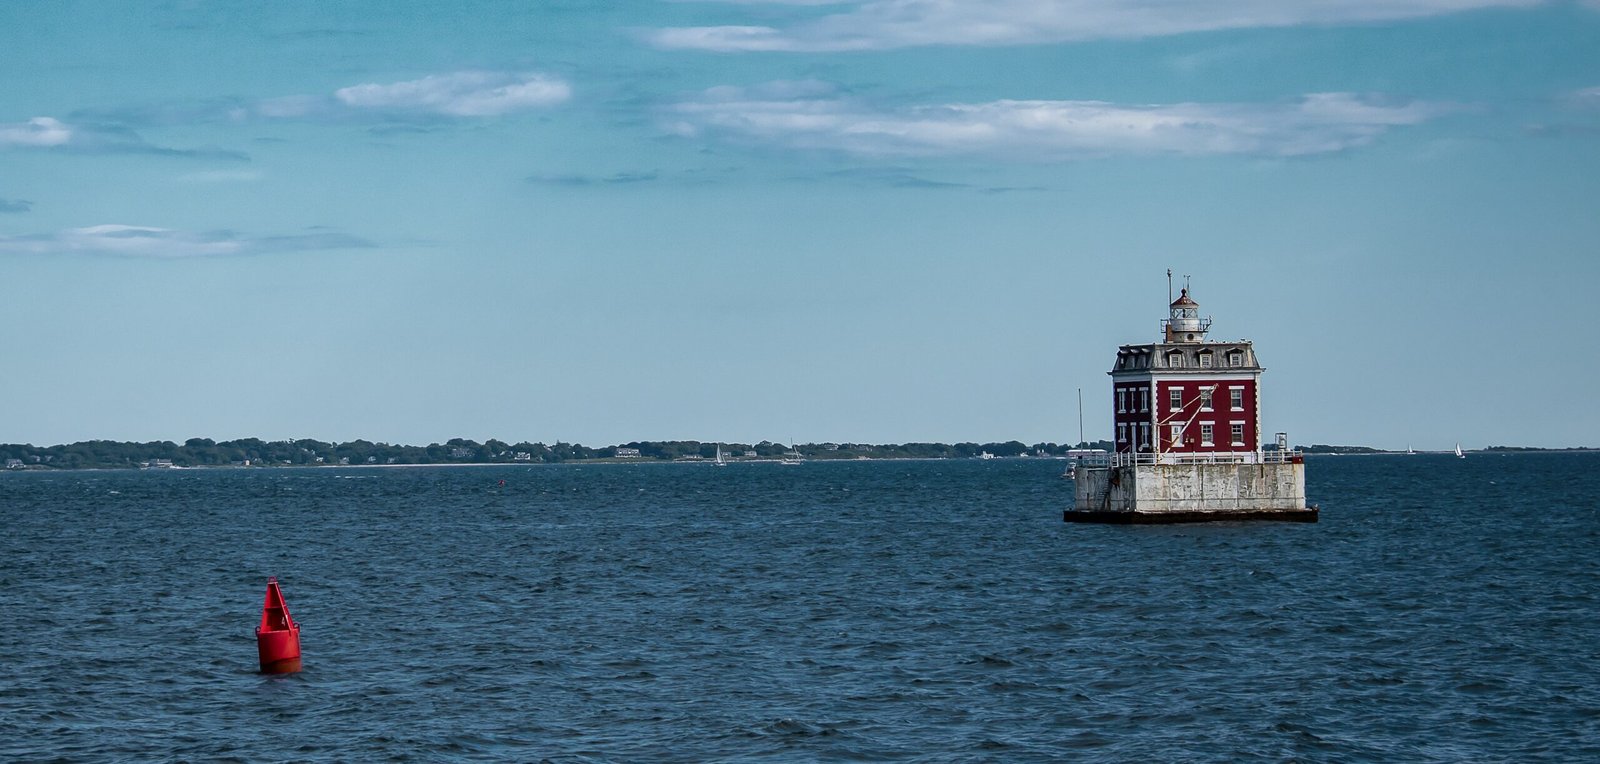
{"points": [[254, 452]]}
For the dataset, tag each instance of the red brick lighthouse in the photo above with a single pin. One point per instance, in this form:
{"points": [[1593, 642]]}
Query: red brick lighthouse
{"points": [[1187, 427], [1186, 394]]}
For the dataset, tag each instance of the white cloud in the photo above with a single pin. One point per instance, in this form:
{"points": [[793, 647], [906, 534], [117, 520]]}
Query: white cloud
{"points": [[462, 94], [49, 133], [287, 107], [454, 94], [1043, 130], [878, 24], [146, 242], [1586, 96], [221, 176], [36, 132]]}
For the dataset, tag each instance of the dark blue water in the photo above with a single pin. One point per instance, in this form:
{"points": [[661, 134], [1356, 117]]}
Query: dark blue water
{"points": [[1443, 610]]}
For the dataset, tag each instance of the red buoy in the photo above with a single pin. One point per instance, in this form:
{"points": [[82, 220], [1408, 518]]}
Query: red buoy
{"points": [[278, 636]]}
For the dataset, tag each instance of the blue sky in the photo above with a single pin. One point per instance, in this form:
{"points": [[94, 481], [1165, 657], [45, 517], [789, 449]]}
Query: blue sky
{"points": [[867, 220]]}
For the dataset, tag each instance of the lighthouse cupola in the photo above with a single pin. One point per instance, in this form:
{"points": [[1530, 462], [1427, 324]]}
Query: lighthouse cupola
{"points": [[1184, 323]]}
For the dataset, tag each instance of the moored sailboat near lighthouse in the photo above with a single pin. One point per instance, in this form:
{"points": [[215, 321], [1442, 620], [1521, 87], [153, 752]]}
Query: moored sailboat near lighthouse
{"points": [[1072, 461]]}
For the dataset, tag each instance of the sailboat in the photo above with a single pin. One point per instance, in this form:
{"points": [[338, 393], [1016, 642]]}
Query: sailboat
{"points": [[720, 462], [1409, 452], [1072, 461], [792, 457], [1459, 455]]}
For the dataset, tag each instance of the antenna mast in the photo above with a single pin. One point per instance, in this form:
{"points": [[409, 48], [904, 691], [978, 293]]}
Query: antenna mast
{"points": [[1169, 286]]}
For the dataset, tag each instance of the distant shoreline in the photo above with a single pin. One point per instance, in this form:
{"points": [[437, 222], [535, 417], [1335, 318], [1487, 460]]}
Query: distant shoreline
{"points": [[570, 462], [41, 468], [254, 453], [1448, 452]]}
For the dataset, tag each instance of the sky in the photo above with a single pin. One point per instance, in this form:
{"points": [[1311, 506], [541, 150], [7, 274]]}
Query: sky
{"points": [[791, 220]]}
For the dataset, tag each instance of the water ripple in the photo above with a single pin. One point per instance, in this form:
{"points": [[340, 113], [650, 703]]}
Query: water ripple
{"points": [[935, 611]]}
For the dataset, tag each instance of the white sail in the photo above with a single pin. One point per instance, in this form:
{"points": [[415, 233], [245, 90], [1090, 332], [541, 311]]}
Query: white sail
{"points": [[1458, 451]]}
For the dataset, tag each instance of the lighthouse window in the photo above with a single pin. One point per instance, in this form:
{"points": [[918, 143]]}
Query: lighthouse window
{"points": [[1122, 397], [1175, 399], [1235, 359], [1205, 399], [1177, 434], [1236, 398], [1144, 399], [1237, 433], [1122, 433], [1175, 360], [1144, 434], [1205, 433], [1205, 360]]}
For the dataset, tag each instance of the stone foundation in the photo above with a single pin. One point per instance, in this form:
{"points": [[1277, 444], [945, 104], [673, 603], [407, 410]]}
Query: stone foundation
{"points": [[1187, 493]]}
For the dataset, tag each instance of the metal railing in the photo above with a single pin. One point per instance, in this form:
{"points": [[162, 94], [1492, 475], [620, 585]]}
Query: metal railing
{"points": [[1179, 457]]}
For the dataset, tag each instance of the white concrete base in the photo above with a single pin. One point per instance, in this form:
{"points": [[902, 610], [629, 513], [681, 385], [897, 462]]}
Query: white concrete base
{"points": [[1209, 488]]}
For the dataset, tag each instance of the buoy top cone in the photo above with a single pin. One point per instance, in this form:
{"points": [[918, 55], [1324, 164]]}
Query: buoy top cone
{"points": [[278, 636], [275, 612]]}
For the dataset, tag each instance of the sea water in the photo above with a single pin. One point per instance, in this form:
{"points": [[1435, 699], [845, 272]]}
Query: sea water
{"points": [[1442, 610]]}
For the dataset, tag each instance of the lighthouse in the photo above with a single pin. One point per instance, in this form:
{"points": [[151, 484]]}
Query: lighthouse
{"points": [[1186, 421]]}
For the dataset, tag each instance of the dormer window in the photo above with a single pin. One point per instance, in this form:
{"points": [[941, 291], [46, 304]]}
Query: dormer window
{"points": [[1205, 360], [1235, 359], [1175, 360]]}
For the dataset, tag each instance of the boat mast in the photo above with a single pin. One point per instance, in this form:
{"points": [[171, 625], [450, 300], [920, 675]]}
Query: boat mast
{"points": [[1080, 418]]}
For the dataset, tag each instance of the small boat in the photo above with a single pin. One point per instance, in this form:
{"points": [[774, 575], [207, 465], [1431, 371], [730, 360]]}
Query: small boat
{"points": [[1071, 472], [1409, 452], [720, 462], [985, 455], [792, 457], [1459, 455], [278, 636]]}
